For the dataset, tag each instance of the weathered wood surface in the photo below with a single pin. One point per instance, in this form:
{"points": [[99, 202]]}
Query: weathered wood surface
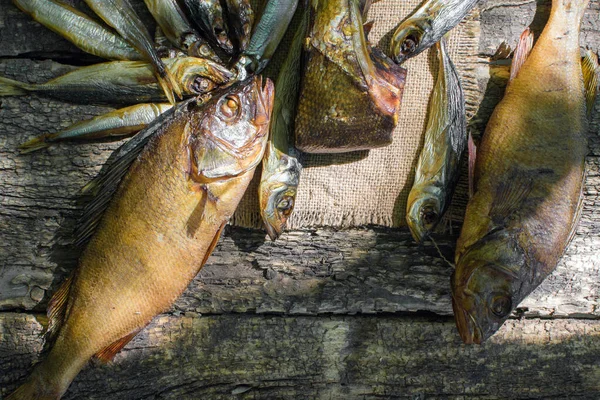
{"points": [[337, 357], [305, 274]]}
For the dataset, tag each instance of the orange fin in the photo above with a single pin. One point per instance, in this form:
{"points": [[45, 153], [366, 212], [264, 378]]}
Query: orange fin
{"points": [[521, 52], [591, 70], [57, 307], [213, 244], [472, 148], [108, 353]]}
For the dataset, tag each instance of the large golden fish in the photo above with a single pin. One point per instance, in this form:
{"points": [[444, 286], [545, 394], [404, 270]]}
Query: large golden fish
{"points": [[162, 224], [528, 179]]}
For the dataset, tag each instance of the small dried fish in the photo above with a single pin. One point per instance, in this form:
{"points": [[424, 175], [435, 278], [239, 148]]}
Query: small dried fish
{"points": [[439, 163], [124, 82], [79, 29], [241, 19], [120, 15], [123, 122], [427, 26], [176, 27], [207, 15], [281, 171]]}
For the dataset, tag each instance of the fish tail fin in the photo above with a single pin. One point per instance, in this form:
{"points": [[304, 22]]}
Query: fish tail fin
{"points": [[35, 144], [591, 76], [9, 87], [521, 53], [34, 389]]}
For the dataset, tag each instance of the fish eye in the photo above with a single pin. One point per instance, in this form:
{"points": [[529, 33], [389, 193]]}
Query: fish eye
{"points": [[230, 107], [286, 205], [501, 306], [429, 216], [202, 85], [409, 45]]}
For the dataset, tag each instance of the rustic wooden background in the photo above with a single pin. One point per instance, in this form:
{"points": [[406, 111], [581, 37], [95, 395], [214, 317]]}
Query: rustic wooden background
{"points": [[320, 313]]}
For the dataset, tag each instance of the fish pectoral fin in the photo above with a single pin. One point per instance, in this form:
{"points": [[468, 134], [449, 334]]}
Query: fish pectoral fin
{"points": [[472, 149], [206, 205], [521, 53], [213, 244], [108, 353], [591, 72], [57, 307], [510, 195]]}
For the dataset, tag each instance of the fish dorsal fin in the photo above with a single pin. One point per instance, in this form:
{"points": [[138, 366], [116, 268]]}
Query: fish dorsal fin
{"points": [[105, 185], [521, 53], [108, 353], [57, 307], [472, 149], [591, 70], [509, 195]]}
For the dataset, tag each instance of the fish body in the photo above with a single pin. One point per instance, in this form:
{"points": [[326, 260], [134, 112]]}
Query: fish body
{"points": [[158, 231], [120, 15], [267, 34], [439, 162], [178, 30], [124, 82], [207, 15], [528, 181], [79, 29], [280, 170], [427, 26], [241, 19], [350, 92], [122, 122]]}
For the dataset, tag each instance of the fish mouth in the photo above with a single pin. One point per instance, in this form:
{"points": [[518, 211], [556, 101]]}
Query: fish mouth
{"points": [[468, 330], [405, 43], [273, 231]]}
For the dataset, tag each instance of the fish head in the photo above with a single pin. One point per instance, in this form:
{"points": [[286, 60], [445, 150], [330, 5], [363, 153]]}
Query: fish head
{"points": [[199, 76], [424, 211], [487, 285], [228, 134], [277, 190], [410, 39]]}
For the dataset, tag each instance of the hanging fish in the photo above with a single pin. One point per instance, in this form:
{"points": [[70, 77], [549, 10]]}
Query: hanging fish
{"points": [[163, 222], [350, 92], [120, 15], [267, 34], [240, 16], [124, 82], [427, 26], [528, 179], [207, 15], [439, 162], [79, 29], [178, 30], [123, 122], [281, 171]]}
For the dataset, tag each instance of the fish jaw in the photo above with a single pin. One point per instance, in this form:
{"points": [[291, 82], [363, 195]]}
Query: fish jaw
{"points": [[406, 42], [467, 328]]}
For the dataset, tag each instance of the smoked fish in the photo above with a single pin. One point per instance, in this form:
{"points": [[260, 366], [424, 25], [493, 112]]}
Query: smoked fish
{"points": [[79, 29], [123, 122], [427, 26], [124, 82], [120, 15], [528, 179], [208, 16], [438, 167], [350, 92], [280, 170], [160, 227]]}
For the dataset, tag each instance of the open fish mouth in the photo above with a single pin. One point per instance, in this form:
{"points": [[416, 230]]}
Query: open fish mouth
{"points": [[467, 328]]}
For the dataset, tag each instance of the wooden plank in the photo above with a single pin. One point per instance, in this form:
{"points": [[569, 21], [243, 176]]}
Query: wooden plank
{"points": [[338, 357]]}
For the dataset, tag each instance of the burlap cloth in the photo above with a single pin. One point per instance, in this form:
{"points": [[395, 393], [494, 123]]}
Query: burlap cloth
{"points": [[371, 187]]}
